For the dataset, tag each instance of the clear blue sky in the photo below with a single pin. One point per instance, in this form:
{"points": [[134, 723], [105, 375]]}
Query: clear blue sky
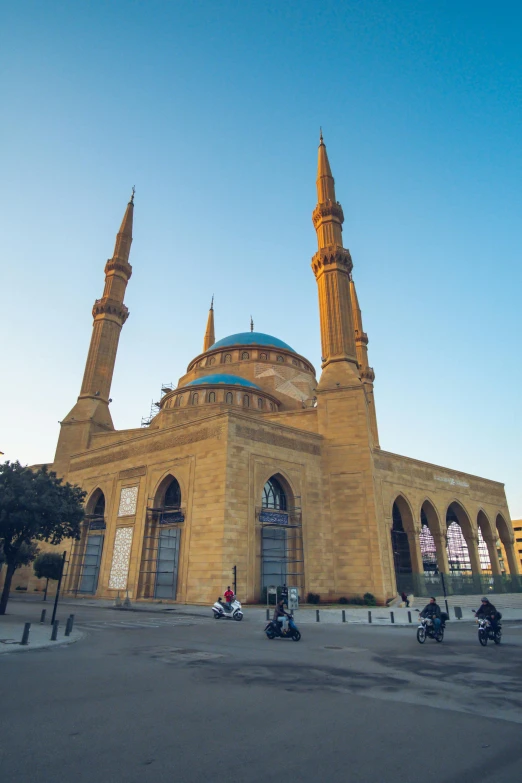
{"points": [[212, 110]]}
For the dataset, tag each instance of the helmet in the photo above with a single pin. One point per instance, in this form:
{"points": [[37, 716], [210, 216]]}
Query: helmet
{"points": [[484, 600]]}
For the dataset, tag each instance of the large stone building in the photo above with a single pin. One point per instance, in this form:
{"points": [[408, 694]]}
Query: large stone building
{"points": [[253, 462]]}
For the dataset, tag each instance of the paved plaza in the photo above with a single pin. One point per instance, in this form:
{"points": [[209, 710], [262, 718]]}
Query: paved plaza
{"points": [[174, 695]]}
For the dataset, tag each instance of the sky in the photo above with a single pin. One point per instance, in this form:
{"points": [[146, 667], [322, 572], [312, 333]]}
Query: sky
{"points": [[212, 110]]}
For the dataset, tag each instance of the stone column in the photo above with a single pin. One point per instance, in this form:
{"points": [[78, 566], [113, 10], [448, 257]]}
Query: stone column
{"points": [[511, 555]]}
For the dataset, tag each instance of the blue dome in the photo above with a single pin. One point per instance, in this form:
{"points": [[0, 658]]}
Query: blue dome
{"points": [[251, 338], [223, 378]]}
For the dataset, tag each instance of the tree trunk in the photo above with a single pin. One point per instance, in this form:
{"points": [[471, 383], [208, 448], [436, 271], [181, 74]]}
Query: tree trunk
{"points": [[7, 587], [45, 591]]}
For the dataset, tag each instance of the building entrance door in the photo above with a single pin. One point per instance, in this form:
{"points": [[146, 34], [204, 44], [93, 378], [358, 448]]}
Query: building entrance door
{"points": [[91, 564], [167, 563]]}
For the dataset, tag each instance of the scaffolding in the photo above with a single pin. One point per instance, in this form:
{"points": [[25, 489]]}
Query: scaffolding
{"points": [[83, 565], [281, 550], [160, 552], [155, 406]]}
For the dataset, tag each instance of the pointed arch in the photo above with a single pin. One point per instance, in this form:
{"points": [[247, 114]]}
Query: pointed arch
{"points": [[168, 489], [507, 539], [461, 544], [406, 553], [95, 505], [280, 541]]}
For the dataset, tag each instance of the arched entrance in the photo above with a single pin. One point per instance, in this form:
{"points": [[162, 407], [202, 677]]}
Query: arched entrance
{"points": [[86, 555], [161, 545], [459, 560], [281, 536], [405, 556]]}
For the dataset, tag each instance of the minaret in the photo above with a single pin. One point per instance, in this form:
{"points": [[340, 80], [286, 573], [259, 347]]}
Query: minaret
{"points": [[210, 337], [332, 265], [367, 373], [91, 412], [351, 513]]}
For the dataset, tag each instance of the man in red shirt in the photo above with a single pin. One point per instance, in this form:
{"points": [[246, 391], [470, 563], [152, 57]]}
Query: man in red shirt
{"points": [[229, 596]]}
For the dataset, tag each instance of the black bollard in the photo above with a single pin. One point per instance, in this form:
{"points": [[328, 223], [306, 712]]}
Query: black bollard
{"points": [[268, 614], [392, 617], [317, 615], [68, 627], [409, 617], [344, 615], [71, 618], [25, 635], [42, 616], [54, 634], [369, 616]]}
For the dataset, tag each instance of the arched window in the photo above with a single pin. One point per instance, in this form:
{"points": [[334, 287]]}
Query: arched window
{"points": [[246, 401], [179, 400], [195, 399], [99, 506], [274, 495], [294, 361], [229, 398], [211, 360], [259, 402], [245, 355], [228, 358], [212, 397], [280, 359], [263, 356], [173, 495]]}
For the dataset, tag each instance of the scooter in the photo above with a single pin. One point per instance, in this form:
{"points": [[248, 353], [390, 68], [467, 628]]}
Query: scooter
{"points": [[274, 630], [222, 610]]}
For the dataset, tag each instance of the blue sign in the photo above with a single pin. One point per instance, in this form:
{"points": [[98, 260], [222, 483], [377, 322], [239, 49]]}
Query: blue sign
{"points": [[171, 517], [274, 517], [97, 524]]}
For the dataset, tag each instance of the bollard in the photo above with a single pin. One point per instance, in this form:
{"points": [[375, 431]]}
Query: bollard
{"points": [[71, 618], [344, 615], [268, 614], [42, 616], [317, 615], [68, 626], [392, 617], [54, 634], [409, 617], [369, 616], [25, 635]]}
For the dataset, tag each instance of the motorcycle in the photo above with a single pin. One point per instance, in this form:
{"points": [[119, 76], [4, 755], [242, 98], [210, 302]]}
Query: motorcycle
{"points": [[427, 628], [486, 631], [274, 630], [230, 611]]}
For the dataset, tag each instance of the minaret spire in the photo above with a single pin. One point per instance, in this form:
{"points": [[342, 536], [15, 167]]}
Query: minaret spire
{"points": [[332, 265], [91, 412], [210, 337], [367, 373]]}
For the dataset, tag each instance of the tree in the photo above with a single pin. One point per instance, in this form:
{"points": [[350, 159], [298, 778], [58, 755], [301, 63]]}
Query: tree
{"points": [[48, 565], [34, 506]]}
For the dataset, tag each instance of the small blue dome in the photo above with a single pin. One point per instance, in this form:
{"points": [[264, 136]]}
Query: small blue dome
{"points": [[251, 338], [223, 378]]}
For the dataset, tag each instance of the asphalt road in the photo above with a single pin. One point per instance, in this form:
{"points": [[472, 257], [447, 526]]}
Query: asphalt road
{"points": [[174, 697]]}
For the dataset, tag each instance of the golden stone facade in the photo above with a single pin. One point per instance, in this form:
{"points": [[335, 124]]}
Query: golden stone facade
{"points": [[253, 462]]}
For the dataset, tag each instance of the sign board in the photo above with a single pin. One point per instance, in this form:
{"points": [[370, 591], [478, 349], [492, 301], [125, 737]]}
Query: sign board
{"points": [[171, 517], [293, 598], [273, 517]]}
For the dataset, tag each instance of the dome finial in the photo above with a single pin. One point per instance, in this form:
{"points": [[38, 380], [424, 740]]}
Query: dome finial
{"points": [[251, 324], [321, 136]]}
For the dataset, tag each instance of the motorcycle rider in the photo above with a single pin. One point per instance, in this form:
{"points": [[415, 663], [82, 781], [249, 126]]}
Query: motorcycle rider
{"points": [[489, 611], [432, 610], [279, 612]]}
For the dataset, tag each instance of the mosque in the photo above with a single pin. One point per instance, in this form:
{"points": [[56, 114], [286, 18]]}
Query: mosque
{"points": [[256, 468]]}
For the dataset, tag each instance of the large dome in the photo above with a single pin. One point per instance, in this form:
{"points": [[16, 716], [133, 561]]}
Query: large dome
{"points": [[251, 338], [230, 380]]}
